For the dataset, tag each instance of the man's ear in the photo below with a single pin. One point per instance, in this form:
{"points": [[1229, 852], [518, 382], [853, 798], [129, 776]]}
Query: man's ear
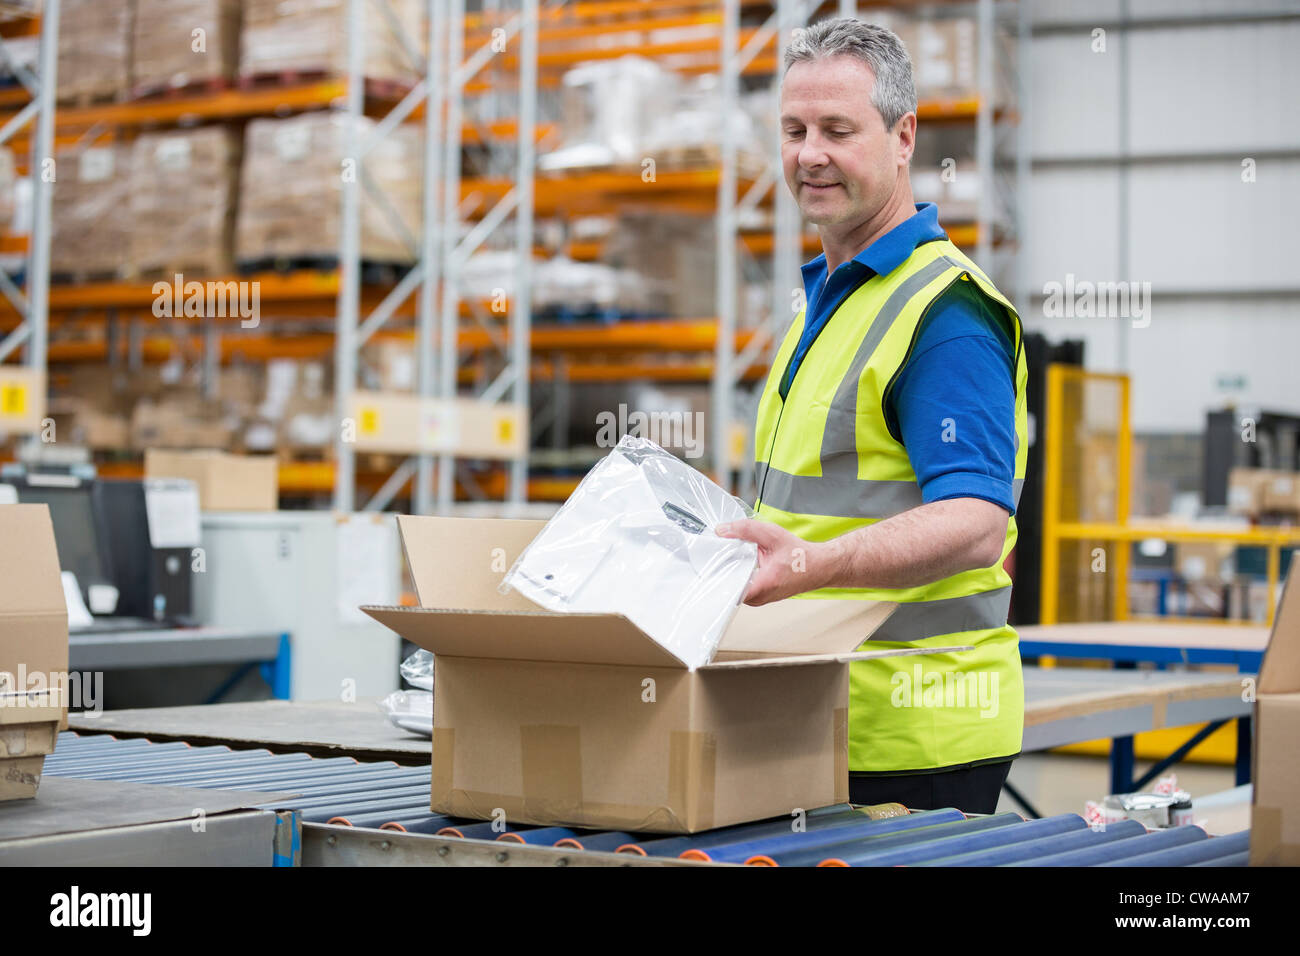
{"points": [[906, 130]]}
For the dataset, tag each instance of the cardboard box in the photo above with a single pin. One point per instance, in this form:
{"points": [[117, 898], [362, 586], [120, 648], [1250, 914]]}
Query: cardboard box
{"points": [[82, 423], [1275, 804], [226, 482], [178, 420], [311, 36], [583, 720], [403, 422], [90, 230], [22, 399], [94, 50], [288, 196], [1280, 492], [1206, 561], [163, 54], [33, 648], [1244, 489], [182, 183]]}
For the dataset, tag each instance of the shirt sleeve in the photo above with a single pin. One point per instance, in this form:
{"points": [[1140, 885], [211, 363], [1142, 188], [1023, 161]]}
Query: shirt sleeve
{"points": [[954, 403]]}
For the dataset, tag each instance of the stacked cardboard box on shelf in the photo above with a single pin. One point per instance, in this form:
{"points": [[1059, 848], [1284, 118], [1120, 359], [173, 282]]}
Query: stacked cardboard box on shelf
{"points": [[311, 36], [625, 111], [182, 198], [676, 254], [290, 182], [94, 43], [90, 234], [164, 40], [1256, 492], [91, 407]]}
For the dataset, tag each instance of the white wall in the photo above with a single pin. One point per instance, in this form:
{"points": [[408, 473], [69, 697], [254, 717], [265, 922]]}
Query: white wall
{"points": [[1218, 252]]}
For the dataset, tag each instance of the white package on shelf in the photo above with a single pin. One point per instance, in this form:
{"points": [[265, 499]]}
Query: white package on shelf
{"points": [[637, 538]]}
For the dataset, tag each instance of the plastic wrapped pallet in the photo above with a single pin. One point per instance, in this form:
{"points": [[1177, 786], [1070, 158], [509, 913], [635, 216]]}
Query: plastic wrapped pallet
{"points": [[94, 40], [90, 230], [168, 52], [677, 255], [310, 36], [607, 108], [182, 185], [289, 192]]}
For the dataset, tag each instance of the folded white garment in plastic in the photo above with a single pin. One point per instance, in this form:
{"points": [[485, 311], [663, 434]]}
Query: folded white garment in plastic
{"points": [[636, 538]]}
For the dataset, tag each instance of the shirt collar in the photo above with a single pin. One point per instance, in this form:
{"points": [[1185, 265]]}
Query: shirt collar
{"points": [[892, 249]]}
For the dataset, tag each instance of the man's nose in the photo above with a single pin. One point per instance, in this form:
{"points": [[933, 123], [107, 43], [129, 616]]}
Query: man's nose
{"points": [[812, 154]]}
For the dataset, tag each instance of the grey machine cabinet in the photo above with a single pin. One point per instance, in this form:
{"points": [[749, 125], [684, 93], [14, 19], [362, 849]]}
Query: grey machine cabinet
{"points": [[305, 573]]}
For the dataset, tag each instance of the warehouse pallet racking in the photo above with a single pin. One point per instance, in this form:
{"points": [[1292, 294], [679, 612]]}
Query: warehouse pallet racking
{"points": [[737, 39]]}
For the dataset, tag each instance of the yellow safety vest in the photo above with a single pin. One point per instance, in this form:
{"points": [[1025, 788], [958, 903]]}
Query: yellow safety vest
{"points": [[827, 464]]}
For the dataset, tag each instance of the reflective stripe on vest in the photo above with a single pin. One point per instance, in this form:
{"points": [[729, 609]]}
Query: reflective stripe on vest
{"points": [[830, 429], [838, 496], [920, 620]]}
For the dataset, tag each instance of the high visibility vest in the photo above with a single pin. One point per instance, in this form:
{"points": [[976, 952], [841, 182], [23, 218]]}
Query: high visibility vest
{"points": [[827, 464]]}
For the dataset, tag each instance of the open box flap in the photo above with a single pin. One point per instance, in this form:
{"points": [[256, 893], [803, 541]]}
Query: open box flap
{"points": [[798, 659], [1280, 671], [457, 565], [459, 562], [29, 567], [804, 626], [532, 635]]}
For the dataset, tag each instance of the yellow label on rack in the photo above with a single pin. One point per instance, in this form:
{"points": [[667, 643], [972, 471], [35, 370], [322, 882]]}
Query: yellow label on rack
{"points": [[369, 421], [13, 399], [505, 430]]}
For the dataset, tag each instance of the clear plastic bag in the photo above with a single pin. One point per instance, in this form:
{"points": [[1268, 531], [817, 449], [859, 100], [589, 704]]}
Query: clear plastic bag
{"points": [[411, 710], [636, 538], [417, 670]]}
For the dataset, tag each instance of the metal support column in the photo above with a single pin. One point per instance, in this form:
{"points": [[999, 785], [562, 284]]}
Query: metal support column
{"points": [[360, 137], [32, 305], [787, 251], [521, 311], [1123, 205], [349, 300], [984, 146], [38, 277], [1023, 291], [431, 247], [724, 348], [448, 337]]}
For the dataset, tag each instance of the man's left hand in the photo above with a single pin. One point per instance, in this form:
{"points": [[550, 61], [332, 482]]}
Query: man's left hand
{"points": [[787, 564]]}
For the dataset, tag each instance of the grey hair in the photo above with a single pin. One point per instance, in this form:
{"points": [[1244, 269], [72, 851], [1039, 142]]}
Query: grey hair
{"points": [[894, 93]]}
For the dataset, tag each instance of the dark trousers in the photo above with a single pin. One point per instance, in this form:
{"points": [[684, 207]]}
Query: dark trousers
{"points": [[969, 789]]}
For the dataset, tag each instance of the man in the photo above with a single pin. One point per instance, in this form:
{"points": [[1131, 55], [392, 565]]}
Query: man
{"points": [[891, 436]]}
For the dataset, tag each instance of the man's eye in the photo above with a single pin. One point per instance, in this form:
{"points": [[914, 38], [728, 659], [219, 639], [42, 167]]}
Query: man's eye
{"points": [[794, 132], [840, 132]]}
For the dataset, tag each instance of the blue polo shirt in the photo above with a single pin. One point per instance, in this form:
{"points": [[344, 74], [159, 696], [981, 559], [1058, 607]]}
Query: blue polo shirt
{"points": [[953, 404]]}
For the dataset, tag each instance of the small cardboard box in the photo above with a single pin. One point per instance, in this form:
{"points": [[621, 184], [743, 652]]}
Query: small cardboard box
{"points": [[1281, 492], [1275, 804], [1245, 491], [33, 647], [226, 482], [1208, 561], [583, 720]]}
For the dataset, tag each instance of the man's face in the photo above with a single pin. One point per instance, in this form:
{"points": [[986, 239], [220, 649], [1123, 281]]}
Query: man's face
{"points": [[840, 162]]}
